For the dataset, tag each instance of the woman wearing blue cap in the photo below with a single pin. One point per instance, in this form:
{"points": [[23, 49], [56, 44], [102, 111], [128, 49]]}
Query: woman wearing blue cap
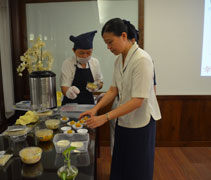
{"points": [[79, 70], [137, 109]]}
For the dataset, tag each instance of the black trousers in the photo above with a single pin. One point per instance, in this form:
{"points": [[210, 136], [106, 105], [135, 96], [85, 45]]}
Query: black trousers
{"points": [[133, 154]]}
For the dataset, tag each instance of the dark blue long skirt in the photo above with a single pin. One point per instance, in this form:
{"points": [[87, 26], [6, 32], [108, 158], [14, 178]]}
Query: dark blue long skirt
{"points": [[133, 154]]}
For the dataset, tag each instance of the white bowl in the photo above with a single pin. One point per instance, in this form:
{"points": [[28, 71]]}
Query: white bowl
{"points": [[82, 121], [30, 155], [64, 119], [69, 134], [70, 123], [82, 131], [65, 128], [52, 123], [76, 128]]}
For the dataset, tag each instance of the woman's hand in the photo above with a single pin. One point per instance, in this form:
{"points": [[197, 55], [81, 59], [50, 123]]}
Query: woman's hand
{"points": [[96, 121], [89, 113]]}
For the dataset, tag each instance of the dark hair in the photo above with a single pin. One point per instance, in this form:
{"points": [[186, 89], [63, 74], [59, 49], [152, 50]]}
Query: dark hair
{"points": [[117, 26]]}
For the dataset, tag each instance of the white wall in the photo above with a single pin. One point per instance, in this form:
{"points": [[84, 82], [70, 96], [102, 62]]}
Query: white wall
{"points": [[173, 37], [57, 21]]}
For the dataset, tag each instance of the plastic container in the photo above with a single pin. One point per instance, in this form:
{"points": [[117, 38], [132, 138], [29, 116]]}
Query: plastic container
{"points": [[30, 155], [52, 123], [81, 141], [44, 134], [17, 132], [74, 110], [58, 138]]}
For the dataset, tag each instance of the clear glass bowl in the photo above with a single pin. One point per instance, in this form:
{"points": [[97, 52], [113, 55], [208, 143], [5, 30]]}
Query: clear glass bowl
{"points": [[44, 134], [30, 155], [52, 123]]}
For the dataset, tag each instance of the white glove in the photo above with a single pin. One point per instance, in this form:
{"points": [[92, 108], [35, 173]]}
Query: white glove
{"points": [[93, 87], [72, 92]]}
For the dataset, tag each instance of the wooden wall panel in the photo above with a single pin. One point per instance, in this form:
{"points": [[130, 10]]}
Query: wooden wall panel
{"points": [[186, 121]]}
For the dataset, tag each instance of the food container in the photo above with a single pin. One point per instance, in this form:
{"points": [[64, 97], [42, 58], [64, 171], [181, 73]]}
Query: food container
{"points": [[81, 142], [17, 132], [73, 110], [92, 86], [61, 142], [42, 90], [52, 123], [64, 119], [65, 128], [82, 131], [77, 126], [30, 155], [69, 132], [44, 134], [71, 123], [82, 121]]}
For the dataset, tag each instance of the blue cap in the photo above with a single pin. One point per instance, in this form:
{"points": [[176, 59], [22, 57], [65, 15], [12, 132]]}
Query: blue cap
{"points": [[83, 41]]}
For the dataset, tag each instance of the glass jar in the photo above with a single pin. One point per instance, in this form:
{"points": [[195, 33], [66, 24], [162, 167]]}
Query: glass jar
{"points": [[67, 171]]}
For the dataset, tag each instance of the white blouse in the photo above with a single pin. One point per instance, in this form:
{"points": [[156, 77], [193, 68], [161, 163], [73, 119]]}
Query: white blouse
{"points": [[69, 68], [135, 80]]}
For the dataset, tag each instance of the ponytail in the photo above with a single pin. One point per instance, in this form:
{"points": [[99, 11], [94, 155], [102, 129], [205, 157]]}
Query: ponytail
{"points": [[132, 32]]}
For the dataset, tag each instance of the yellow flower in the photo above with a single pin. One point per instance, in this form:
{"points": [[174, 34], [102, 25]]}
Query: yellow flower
{"points": [[35, 58]]}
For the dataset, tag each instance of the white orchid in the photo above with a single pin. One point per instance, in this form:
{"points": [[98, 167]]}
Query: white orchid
{"points": [[35, 58]]}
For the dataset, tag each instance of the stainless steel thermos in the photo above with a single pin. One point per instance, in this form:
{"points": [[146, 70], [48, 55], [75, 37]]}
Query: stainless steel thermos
{"points": [[42, 90]]}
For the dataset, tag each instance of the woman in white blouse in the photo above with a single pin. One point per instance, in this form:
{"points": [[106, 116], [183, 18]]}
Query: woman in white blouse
{"points": [[137, 109], [79, 70]]}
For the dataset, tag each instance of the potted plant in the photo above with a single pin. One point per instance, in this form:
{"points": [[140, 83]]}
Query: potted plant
{"points": [[35, 58], [42, 81], [67, 172]]}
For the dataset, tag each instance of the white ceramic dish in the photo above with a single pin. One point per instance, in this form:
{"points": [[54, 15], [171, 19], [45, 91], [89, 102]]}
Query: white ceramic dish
{"points": [[82, 131], [65, 128], [76, 127], [71, 123], [64, 119], [69, 132]]}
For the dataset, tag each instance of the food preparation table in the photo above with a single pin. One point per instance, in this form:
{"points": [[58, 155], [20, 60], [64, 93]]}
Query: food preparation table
{"points": [[50, 161]]}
